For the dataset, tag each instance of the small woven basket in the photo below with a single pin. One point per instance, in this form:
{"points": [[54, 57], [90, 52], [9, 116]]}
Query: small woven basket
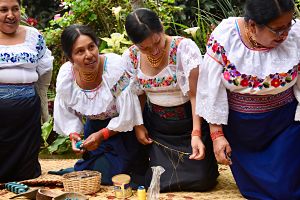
{"points": [[85, 182]]}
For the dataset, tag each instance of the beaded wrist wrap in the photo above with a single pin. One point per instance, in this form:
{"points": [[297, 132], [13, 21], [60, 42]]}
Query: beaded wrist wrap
{"points": [[105, 133], [214, 135], [196, 133]]}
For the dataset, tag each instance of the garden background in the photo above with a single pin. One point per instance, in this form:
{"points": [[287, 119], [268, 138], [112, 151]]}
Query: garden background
{"points": [[194, 19]]}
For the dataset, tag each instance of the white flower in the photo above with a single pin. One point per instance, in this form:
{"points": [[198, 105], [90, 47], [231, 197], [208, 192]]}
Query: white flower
{"points": [[192, 31], [116, 11]]}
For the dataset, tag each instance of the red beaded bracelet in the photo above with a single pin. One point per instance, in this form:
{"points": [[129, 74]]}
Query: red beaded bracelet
{"points": [[71, 136], [214, 135], [105, 133], [196, 133]]}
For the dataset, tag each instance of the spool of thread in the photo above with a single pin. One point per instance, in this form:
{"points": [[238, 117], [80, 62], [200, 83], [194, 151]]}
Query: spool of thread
{"points": [[79, 144], [141, 193], [16, 187]]}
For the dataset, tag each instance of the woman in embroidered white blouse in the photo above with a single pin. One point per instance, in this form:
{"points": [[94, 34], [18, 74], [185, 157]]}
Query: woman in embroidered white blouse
{"points": [[96, 87], [166, 69], [24, 61], [248, 83]]}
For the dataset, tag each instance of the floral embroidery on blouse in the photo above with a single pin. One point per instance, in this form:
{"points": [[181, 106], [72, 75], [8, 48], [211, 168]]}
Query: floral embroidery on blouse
{"points": [[133, 51], [233, 76], [158, 81], [24, 56], [173, 50], [110, 113], [122, 83]]}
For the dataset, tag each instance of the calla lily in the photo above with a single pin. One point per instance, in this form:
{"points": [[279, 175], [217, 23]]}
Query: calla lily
{"points": [[116, 11], [192, 31]]}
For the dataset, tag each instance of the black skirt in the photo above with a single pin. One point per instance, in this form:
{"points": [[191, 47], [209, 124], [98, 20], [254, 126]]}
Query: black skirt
{"points": [[181, 173], [20, 138]]}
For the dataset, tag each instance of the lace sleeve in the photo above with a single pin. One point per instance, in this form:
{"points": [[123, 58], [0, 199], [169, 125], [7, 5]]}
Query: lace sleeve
{"points": [[211, 99], [188, 58], [129, 109], [66, 121], [130, 63]]}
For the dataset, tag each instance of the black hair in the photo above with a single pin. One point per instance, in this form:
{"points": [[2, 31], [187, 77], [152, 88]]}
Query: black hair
{"points": [[70, 35], [19, 2], [263, 12], [141, 24]]}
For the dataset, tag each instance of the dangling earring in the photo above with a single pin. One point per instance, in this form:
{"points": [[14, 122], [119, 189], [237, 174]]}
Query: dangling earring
{"points": [[254, 44]]}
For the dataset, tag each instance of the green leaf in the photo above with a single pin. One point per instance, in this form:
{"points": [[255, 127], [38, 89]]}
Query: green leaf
{"points": [[93, 17], [108, 50], [266, 84], [65, 147], [47, 128], [55, 145]]}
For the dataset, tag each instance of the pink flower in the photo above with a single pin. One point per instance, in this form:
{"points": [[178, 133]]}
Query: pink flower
{"points": [[57, 16], [294, 75], [226, 76]]}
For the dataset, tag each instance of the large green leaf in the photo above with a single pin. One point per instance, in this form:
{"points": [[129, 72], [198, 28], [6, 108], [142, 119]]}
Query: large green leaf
{"points": [[61, 140], [47, 128]]}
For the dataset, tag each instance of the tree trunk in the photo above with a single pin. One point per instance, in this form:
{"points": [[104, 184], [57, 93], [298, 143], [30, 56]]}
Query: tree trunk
{"points": [[136, 4]]}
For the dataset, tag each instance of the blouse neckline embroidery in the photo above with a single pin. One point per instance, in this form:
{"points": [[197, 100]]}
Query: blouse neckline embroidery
{"points": [[157, 81], [233, 76]]}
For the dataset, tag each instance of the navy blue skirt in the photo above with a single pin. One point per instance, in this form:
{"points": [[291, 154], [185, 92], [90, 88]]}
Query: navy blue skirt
{"points": [[20, 133], [121, 153], [265, 152]]}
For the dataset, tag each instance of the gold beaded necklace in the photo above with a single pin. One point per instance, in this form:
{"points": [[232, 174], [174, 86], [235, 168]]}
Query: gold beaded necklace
{"points": [[156, 61], [88, 75]]}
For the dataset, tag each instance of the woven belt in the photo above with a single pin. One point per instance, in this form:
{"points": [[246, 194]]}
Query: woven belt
{"points": [[16, 91], [183, 111], [248, 103]]}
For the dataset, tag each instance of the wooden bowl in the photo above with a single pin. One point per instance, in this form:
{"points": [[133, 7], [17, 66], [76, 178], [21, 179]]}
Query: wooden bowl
{"points": [[44, 194], [71, 195]]}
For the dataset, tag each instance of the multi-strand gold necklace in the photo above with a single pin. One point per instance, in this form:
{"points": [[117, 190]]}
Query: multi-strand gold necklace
{"points": [[88, 75], [156, 61]]}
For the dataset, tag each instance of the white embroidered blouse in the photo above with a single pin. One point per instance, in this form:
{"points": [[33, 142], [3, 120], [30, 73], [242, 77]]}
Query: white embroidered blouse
{"points": [[170, 86], [111, 99], [25, 62], [230, 65]]}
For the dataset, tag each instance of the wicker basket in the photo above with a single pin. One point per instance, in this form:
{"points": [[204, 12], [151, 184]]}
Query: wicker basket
{"points": [[85, 182]]}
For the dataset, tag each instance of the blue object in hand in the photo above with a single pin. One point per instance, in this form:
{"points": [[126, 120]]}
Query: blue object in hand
{"points": [[79, 144], [16, 187]]}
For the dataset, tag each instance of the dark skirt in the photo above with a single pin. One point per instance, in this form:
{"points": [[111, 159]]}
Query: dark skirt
{"points": [[20, 137], [173, 130], [121, 153], [265, 151]]}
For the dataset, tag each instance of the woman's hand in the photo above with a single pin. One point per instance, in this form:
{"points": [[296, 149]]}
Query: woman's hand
{"points": [[141, 134], [93, 141], [222, 150], [75, 137], [198, 148]]}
